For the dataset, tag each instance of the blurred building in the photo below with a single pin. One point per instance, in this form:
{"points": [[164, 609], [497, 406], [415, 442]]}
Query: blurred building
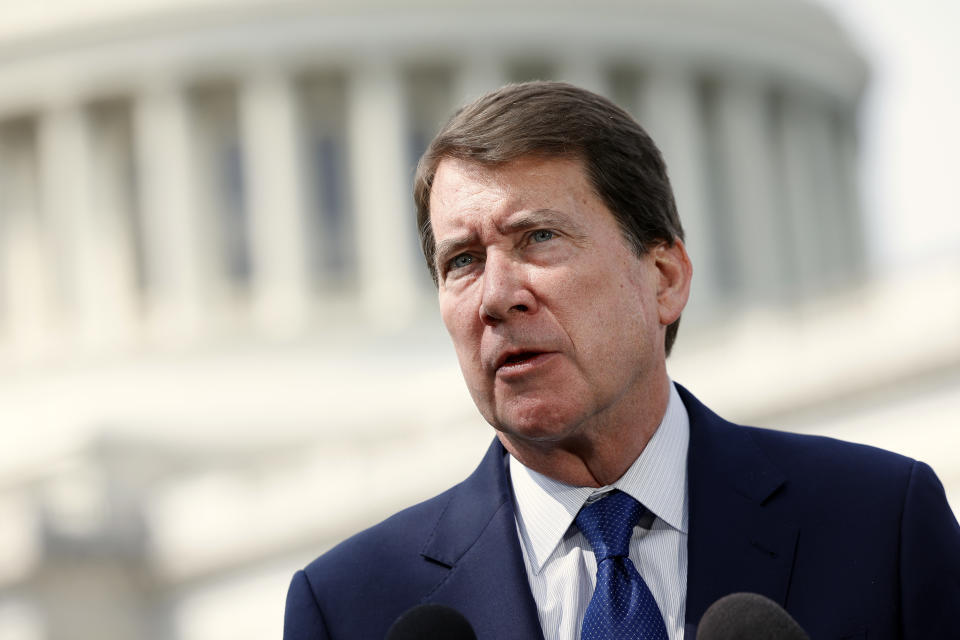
{"points": [[216, 330]]}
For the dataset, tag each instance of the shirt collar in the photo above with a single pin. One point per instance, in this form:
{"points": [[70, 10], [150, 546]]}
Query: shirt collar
{"points": [[657, 479]]}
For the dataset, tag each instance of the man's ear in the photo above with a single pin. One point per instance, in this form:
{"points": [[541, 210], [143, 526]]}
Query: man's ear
{"points": [[674, 271]]}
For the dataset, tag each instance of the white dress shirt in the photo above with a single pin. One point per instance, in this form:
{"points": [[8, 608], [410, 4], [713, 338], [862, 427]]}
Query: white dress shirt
{"points": [[560, 563]]}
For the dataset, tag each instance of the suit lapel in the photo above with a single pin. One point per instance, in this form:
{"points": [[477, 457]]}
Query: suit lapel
{"points": [[476, 537], [739, 540]]}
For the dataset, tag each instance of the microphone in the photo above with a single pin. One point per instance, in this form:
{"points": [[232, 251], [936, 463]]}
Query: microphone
{"points": [[431, 622], [748, 616]]}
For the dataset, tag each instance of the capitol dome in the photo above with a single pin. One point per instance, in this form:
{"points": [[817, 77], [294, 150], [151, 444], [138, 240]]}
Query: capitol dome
{"points": [[171, 168]]}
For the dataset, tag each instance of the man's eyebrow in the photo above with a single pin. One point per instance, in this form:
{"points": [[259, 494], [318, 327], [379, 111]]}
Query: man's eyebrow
{"points": [[542, 218], [452, 246]]}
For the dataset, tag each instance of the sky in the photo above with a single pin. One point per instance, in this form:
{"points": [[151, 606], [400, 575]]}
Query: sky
{"points": [[910, 127]]}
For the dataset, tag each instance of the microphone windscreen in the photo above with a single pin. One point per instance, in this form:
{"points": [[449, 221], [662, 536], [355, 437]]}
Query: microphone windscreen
{"points": [[748, 616], [431, 622]]}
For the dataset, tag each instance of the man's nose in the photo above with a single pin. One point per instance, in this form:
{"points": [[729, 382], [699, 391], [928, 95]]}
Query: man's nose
{"points": [[506, 290]]}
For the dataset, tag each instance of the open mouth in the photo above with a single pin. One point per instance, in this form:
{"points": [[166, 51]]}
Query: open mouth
{"points": [[515, 359]]}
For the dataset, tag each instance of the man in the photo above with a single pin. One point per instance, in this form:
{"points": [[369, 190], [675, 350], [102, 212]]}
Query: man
{"points": [[612, 503]]}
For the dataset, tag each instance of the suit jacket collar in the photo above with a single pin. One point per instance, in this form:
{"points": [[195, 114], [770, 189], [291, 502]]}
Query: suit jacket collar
{"points": [[476, 536], [737, 541]]}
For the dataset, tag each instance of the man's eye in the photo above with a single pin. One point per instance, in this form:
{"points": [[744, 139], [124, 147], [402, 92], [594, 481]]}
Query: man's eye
{"points": [[460, 261], [542, 235]]}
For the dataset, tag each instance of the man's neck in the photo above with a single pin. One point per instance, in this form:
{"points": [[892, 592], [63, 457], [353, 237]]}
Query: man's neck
{"points": [[601, 452]]}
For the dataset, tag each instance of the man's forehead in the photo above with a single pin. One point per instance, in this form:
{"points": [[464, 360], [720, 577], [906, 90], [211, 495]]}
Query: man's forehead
{"points": [[526, 182], [456, 182]]}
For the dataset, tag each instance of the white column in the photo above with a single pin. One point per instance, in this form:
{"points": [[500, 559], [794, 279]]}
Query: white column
{"points": [[751, 184], [381, 194], [670, 112], [27, 274], [816, 183], [177, 273], [832, 219], [92, 244], [849, 178], [271, 133], [111, 194], [800, 186]]}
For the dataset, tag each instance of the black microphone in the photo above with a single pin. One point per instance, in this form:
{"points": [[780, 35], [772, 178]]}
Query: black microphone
{"points": [[431, 622], [748, 616]]}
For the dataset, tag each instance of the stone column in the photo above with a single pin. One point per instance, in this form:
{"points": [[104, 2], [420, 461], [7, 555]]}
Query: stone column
{"points": [[835, 233], [380, 186], [670, 111], [800, 190], [750, 183], [848, 178], [177, 273], [27, 274], [271, 143], [94, 246], [112, 198], [824, 241]]}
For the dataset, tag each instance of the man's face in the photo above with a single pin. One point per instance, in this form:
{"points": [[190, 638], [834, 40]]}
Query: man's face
{"points": [[557, 324]]}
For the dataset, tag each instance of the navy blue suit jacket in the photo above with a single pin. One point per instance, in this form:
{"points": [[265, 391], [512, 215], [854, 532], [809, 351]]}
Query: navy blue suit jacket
{"points": [[853, 541]]}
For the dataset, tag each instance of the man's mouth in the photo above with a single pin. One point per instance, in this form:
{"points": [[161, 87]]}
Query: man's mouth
{"points": [[517, 358]]}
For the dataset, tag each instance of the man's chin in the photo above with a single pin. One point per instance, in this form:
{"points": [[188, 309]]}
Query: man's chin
{"points": [[535, 431]]}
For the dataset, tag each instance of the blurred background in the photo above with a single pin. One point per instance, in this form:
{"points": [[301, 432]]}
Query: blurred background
{"points": [[216, 330]]}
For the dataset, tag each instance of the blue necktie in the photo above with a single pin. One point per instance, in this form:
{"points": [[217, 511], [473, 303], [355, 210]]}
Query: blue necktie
{"points": [[622, 607]]}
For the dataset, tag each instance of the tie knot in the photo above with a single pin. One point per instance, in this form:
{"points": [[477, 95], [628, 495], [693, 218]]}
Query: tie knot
{"points": [[608, 524]]}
